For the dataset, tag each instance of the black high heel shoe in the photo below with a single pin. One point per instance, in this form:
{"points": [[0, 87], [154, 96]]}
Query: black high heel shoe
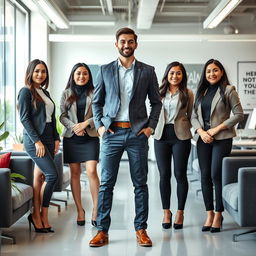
{"points": [[37, 230], [215, 230], [168, 225], [178, 226], [50, 230], [94, 223], [81, 222], [206, 228]]}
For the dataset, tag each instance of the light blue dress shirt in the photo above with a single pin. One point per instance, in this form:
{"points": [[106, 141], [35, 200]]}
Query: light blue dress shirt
{"points": [[126, 78]]}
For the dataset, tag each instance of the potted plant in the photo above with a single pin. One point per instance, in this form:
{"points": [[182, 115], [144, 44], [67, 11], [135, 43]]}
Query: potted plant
{"points": [[13, 175], [18, 143]]}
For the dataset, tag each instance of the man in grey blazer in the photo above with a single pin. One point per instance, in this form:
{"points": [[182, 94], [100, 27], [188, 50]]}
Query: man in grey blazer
{"points": [[121, 119]]}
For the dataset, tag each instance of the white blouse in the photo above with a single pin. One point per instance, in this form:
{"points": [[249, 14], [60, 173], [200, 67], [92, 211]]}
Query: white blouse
{"points": [[49, 106]]}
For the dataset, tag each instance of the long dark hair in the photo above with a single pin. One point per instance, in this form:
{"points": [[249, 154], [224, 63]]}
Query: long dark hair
{"points": [[182, 86], [204, 84], [71, 83], [29, 81]]}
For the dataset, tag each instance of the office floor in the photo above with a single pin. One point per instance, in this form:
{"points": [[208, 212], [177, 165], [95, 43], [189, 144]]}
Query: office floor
{"points": [[71, 240]]}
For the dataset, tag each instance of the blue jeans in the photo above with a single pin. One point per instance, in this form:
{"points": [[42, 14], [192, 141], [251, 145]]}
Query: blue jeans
{"points": [[113, 146]]}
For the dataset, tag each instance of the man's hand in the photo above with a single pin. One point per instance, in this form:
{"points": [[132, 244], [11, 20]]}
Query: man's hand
{"points": [[146, 131], [101, 131]]}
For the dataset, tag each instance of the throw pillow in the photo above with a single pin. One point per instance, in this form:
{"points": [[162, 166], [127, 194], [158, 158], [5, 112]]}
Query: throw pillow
{"points": [[5, 160]]}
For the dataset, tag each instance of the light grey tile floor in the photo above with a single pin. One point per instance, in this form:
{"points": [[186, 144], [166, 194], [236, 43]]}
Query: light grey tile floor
{"points": [[71, 240]]}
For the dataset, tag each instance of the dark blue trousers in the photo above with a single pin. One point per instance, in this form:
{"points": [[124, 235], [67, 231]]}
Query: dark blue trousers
{"points": [[113, 146], [46, 163]]}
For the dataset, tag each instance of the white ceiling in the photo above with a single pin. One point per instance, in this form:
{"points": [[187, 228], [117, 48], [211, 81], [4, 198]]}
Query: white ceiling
{"points": [[175, 16]]}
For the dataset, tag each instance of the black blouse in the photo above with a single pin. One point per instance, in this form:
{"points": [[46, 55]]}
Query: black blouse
{"points": [[80, 102], [207, 102]]}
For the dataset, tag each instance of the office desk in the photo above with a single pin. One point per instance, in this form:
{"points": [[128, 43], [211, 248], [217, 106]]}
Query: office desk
{"points": [[238, 142], [244, 143]]}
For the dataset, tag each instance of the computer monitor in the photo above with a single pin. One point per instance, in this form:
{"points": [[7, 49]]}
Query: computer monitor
{"points": [[243, 123], [252, 120]]}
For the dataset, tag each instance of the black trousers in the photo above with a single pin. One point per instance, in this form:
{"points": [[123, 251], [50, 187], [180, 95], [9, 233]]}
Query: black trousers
{"points": [[45, 163], [210, 161], [167, 147]]}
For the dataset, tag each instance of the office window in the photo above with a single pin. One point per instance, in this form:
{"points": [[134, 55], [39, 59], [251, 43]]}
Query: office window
{"points": [[2, 118], [9, 67], [14, 47]]}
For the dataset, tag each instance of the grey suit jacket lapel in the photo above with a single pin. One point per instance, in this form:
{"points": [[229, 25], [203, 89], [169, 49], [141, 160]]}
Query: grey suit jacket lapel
{"points": [[137, 73], [215, 100]]}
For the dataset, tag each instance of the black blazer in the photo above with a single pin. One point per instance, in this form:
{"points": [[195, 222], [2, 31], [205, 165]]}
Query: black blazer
{"points": [[106, 100], [34, 119]]}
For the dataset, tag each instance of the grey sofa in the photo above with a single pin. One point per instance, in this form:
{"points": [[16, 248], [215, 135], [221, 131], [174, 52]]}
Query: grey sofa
{"points": [[63, 176], [13, 203], [239, 190], [195, 169]]}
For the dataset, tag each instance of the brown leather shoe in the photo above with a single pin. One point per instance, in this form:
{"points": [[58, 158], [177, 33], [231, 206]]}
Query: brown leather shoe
{"points": [[99, 240], [143, 239]]}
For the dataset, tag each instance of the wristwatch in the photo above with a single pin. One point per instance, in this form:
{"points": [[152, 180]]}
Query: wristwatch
{"points": [[152, 130]]}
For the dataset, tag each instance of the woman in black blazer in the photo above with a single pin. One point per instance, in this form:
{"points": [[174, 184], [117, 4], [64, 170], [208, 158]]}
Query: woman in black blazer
{"points": [[41, 139], [211, 119], [172, 139]]}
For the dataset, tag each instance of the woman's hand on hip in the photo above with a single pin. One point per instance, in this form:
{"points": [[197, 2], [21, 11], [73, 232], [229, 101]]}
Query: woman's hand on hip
{"points": [[40, 150]]}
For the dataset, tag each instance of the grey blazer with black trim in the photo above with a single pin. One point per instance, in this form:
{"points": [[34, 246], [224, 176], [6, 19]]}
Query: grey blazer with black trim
{"points": [[69, 118], [221, 114]]}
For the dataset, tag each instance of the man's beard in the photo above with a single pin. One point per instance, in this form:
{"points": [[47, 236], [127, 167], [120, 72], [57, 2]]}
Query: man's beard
{"points": [[127, 55]]}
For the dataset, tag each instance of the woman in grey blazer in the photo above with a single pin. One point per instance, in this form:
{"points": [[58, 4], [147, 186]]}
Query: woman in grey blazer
{"points": [[172, 139], [215, 99], [80, 142]]}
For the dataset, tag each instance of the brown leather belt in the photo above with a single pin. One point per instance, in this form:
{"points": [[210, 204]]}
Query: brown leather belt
{"points": [[122, 124]]}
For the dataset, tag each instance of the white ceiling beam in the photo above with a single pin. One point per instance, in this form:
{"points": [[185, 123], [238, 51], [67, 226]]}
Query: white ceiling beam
{"points": [[146, 13], [221, 11], [110, 7], [102, 7]]}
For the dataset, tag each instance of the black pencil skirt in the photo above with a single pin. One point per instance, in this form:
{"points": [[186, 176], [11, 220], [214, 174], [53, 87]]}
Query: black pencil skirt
{"points": [[79, 149]]}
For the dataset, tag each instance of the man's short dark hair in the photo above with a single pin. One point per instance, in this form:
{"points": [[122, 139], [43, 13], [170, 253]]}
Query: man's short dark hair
{"points": [[126, 31]]}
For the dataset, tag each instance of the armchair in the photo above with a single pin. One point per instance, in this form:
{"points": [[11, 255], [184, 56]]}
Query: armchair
{"points": [[239, 190], [14, 204]]}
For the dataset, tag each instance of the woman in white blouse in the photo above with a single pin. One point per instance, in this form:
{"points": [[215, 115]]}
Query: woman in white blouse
{"points": [[172, 140]]}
